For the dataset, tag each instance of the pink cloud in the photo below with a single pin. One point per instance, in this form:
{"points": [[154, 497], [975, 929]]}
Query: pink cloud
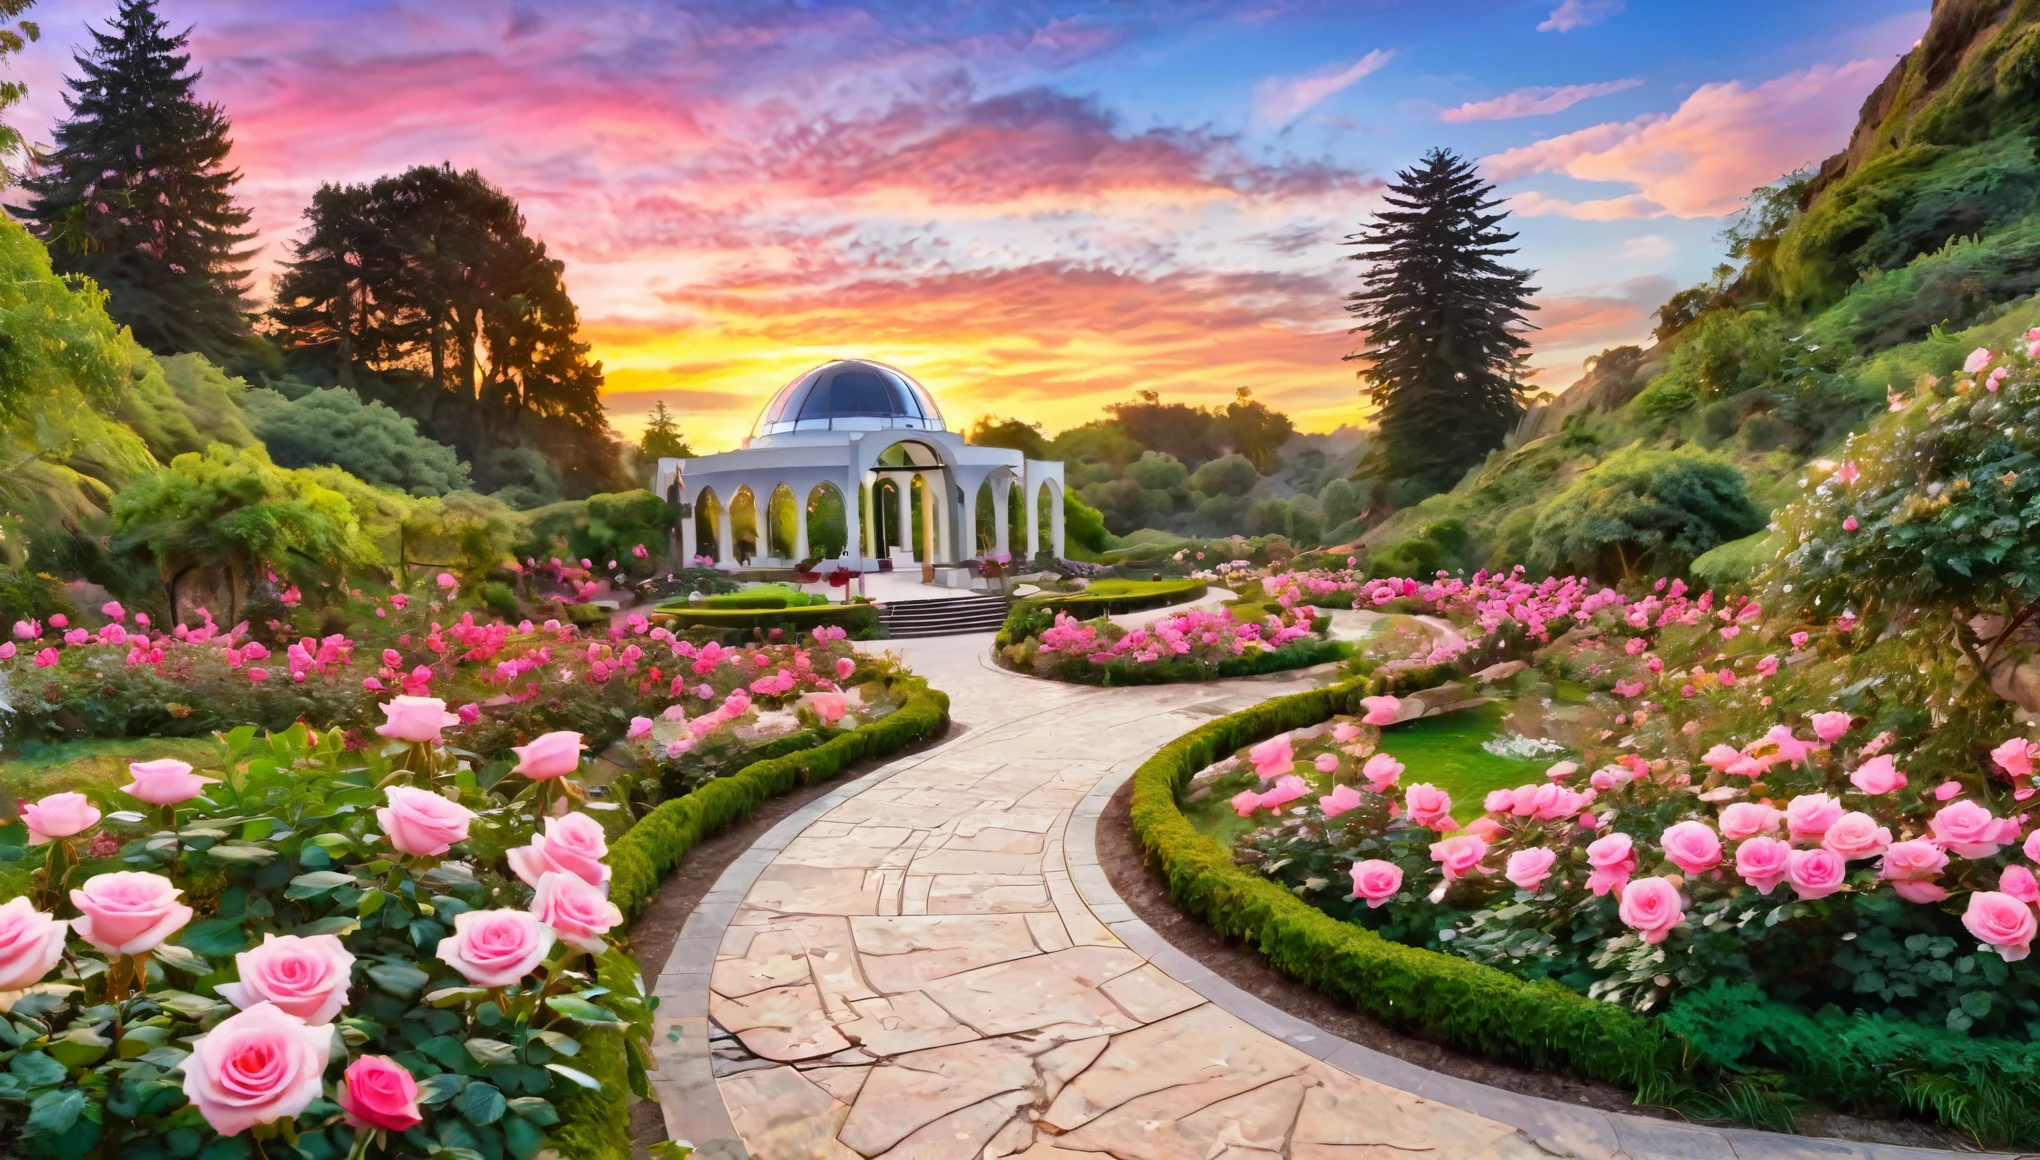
{"points": [[1533, 102], [1280, 100], [1579, 14], [1723, 141], [1531, 203]]}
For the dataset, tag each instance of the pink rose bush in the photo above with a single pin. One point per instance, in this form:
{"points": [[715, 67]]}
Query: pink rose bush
{"points": [[406, 939], [1195, 644]]}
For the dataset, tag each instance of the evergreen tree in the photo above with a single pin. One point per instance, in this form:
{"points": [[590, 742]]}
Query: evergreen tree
{"points": [[137, 194], [1443, 319], [662, 438]]}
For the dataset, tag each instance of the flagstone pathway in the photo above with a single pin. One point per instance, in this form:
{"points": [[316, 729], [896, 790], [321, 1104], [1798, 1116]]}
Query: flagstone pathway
{"points": [[908, 968]]}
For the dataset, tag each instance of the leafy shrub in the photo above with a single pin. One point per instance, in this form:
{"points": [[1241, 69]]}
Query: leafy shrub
{"points": [[368, 440], [1643, 509], [287, 842]]}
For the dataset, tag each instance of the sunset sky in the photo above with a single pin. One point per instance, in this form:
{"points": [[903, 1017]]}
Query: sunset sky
{"points": [[1040, 207]]}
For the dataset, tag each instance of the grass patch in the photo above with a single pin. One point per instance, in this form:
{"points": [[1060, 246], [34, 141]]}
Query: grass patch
{"points": [[95, 765]]}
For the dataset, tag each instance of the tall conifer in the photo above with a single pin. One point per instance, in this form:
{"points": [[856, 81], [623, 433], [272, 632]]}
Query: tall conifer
{"points": [[137, 193], [1444, 321]]}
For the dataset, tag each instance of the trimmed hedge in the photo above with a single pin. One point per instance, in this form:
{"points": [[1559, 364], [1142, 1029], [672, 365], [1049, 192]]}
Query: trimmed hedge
{"points": [[1449, 999], [595, 1125], [739, 623], [1300, 654]]}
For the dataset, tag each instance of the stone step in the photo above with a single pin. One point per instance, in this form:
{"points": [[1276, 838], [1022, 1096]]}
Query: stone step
{"points": [[967, 614]]}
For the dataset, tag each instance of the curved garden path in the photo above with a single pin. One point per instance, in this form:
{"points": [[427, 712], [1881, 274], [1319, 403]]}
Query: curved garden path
{"points": [[928, 962]]}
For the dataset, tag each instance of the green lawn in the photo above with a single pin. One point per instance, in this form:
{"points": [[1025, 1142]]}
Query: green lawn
{"points": [[1114, 586], [37, 768]]}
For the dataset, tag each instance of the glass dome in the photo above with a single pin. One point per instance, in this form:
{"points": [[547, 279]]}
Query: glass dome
{"points": [[849, 395]]}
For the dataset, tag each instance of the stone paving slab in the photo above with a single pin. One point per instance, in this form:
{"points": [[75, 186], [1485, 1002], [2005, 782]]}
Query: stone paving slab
{"points": [[929, 963]]}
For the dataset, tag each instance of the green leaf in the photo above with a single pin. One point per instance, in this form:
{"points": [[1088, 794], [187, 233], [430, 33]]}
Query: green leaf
{"points": [[215, 938], [316, 883], [241, 853], [454, 996], [54, 1112], [338, 924], [179, 958], [440, 1088], [333, 844], [559, 1041], [184, 1003], [536, 1109], [400, 979], [582, 1011], [579, 1077], [371, 901], [80, 1047], [479, 1103], [35, 1069], [488, 1051], [522, 1139], [166, 1058], [1977, 1003]]}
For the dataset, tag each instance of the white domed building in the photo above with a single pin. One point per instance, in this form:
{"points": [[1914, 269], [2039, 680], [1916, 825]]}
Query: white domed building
{"points": [[911, 491]]}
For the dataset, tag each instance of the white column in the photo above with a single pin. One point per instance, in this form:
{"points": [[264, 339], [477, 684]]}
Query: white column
{"points": [[685, 550], [800, 543], [945, 519], [1030, 509], [904, 536], [1002, 495], [725, 538], [1055, 513], [853, 522]]}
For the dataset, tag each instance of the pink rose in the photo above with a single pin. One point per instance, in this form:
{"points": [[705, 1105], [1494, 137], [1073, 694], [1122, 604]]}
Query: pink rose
{"points": [[1968, 830], [1429, 806], [378, 1093], [415, 719], [579, 913], [1562, 770], [495, 948], [1523, 800], [1344, 733], [165, 781], [1651, 907], [1608, 777], [1380, 710], [1721, 757], [550, 755], [2015, 757], [1245, 802], [1376, 881], [1911, 866], [640, 728], [1791, 749], [1326, 763], [1830, 726], [421, 823], [1877, 776], [1808, 816], [127, 912], [1741, 820], [1341, 799], [1815, 873], [1856, 835], [574, 844], [1761, 862], [31, 943], [1273, 756], [257, 1067], [1799, 640], [1613, 858], [844, 668], [305, 977], [1459, 855], [1285, 790], [59, 815], [1691, 846], [2032, 847], [1529, 868], [2018, 882], [2004, 923], [1499, 801], [1381, 772]]}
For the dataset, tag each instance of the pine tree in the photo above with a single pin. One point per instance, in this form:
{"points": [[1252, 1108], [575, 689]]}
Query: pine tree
{"points": [[662, 438], [1443, 319], [137, 194]]}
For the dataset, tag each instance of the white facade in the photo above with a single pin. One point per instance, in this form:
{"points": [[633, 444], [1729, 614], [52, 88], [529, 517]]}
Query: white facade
{"points": [[872, 433]]}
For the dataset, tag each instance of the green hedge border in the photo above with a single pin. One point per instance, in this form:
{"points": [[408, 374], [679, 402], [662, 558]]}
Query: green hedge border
{"points": [[1445, 998], [595, 1125], [742, 621]]}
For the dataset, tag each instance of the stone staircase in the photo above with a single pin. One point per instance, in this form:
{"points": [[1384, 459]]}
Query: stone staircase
{"points": [[951, 617]]}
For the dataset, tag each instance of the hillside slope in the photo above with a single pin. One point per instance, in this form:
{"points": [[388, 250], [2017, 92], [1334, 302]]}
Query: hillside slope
{"points": [[1915, 243]]}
